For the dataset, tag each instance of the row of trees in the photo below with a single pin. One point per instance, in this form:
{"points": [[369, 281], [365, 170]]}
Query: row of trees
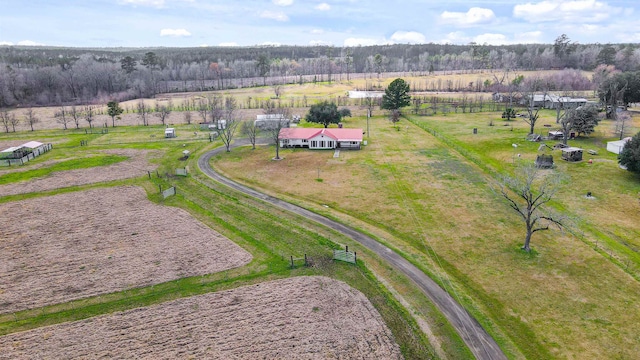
{"points": [[46, 76]]}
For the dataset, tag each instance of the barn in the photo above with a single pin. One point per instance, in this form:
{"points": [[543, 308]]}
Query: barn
{"points": [[314, 138]]}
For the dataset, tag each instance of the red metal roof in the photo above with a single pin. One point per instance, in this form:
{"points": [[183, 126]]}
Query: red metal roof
{"points": [[308, 133]]}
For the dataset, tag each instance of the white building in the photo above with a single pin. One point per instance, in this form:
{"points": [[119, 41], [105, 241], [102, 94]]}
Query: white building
{"points": [[315, 138]]}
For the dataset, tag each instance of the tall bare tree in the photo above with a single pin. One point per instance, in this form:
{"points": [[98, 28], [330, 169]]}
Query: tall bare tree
{"points": [[75, 115], [526, 193], [62, 117], [163, 111], [143, 112], [89, 115], [5, 119], [187, 117], [31, 118], [622, 124], [228, 129], [250, 130]]}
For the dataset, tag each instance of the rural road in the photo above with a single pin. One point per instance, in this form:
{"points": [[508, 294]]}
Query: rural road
{"points": [[476, 338]]}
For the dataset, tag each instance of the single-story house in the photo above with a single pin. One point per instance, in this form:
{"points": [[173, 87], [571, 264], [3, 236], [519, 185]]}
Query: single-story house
{"points": [[315, 138], [169, 132], [616, 146]]}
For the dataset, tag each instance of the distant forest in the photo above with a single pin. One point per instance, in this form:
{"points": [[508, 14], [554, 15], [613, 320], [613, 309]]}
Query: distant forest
{"points": [[41, 76]]}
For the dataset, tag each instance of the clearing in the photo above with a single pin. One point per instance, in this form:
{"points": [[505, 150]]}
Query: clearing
{"points": [[294, 318], [80, 244]]}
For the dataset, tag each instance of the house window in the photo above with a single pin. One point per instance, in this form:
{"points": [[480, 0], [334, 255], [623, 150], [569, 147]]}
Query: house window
{"points": [[330, 144], [305, 141], [314, 144], [322, 143]]}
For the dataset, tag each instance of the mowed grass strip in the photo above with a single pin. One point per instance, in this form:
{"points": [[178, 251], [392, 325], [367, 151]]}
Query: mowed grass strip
{"points": [[564, 300], [73, 164]]}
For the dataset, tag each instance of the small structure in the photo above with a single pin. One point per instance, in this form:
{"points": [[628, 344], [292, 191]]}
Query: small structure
{"points": [[617, 146], [169, 133], [18, 155], [572, 154], [271, 121], [315, 138], [556, 135], [544, 161]]}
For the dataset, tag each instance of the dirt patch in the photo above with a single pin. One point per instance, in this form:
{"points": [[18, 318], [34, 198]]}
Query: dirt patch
{"points": [[74, 245], [137, 165], [295, 318]]}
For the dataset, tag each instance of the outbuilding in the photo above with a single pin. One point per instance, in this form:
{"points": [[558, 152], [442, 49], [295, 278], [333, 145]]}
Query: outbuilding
{"points": [[169, 132], [572, 154], [617, 146]]}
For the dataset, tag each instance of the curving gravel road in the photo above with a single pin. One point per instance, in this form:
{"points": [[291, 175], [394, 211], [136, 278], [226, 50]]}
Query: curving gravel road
{"points": [[476, 338]]}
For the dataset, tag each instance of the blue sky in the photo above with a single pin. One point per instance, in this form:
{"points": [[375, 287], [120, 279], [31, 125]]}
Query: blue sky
{"points": [[191, 23]]}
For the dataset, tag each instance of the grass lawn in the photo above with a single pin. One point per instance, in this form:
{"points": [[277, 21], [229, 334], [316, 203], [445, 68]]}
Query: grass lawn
{"points": [[419, 194]]}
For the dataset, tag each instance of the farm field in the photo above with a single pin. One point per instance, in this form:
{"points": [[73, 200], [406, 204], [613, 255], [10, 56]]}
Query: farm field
{"points": [[79, 244], [564, 300], [296, 318], [136, 163]]}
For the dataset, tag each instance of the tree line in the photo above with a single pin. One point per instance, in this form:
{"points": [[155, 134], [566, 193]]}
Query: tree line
{"points": [[44, 76]]}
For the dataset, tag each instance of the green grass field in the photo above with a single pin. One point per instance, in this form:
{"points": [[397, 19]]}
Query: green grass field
{"points": [[430, 197]]}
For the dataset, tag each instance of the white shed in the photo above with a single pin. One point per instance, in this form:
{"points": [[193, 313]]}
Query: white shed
{"points": [[169, 132], [616, 146]]}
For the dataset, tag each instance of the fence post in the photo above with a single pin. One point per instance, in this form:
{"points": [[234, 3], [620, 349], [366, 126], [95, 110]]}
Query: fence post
{"points": [[355, 257], [292, 261], [149, 173]]}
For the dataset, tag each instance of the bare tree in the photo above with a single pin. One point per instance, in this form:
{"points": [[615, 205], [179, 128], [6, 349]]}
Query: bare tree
{"points": [[274, 128], [228, 128], [61, 117], [5, 119], [216, 108], [622, 124], [526, 193], [143, 112], [163, 111], [187, 117], [88, 115], [75, 115], [31, 118], [277, 89], [14, 120], [250, 130]]}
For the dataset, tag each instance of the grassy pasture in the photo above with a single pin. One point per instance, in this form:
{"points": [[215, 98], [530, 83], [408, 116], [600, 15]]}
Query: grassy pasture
{"points": [[422, 196]]}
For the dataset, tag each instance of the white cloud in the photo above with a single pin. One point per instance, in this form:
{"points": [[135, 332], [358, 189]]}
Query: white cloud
{"points": [[6, 43], [274, 15], [456, 37], [283, 2], [153, 3], [577, 11], [408, 37], [323, 7], [228, 44], [475, 16], [29, 43], [317, 31], [531, 37], [174, 32], [320, 43]]}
